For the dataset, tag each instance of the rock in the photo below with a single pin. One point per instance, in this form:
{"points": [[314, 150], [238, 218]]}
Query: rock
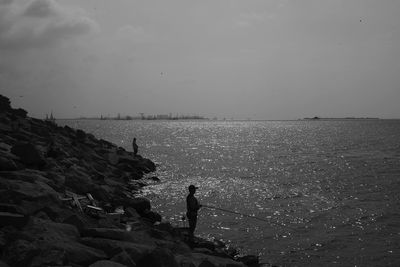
{"points": [[46, 230], [7, 164], [80, 135], [140, 204], [5, 104], [131, 213], [51, 209], [52, 257], [19, 190], [3, 264], [105, 263], [20, 112], [28, 154], [155, 179], [51, 236], [16, 220], [202, 243], [20, 253], [249, 260], [56, 180], [207, 263], [114, 247], [213, 261], [76, 221], [124, 259], [140, 237], [159, 257], [152, 216], [78, 180], [184, 261]]}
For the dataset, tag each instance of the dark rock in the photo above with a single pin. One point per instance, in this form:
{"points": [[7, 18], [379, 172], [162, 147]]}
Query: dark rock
{"points": [[16, 220], [20, 112], [185, 261], [159, 257], [81, 135], [53, 257], [56, 180], [119, 234], [19, 190], [152, 216], [113, 247], [20, 253], [76, 221], [165, 226], [3, 264], [141, 204], [5, 207], [7, 164], [5, 103], [207, 263], [51, 236], [78, 180], [213, 261], [124, 259], [155, 179], [106, 263], [29, 155], [249, 260], [51, 209], [205, 244]]}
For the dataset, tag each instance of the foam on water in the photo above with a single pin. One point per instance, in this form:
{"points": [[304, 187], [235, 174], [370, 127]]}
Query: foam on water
{"points": [[328, 188]]}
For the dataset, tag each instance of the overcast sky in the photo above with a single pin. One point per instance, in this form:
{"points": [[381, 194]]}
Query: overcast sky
{"points": [[266, 59]]}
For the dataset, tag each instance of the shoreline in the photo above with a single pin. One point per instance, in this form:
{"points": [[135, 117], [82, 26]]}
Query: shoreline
{"points": [[69, 199]]}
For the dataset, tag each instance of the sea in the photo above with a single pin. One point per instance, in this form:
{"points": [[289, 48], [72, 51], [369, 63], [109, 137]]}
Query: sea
{"points": [[294, 193]]}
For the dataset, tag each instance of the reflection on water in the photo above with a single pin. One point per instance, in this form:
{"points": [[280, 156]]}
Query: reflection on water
{"points": [[329, 189]]}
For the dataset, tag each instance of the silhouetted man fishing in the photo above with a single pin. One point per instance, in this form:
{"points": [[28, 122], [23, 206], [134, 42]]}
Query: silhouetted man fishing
{"points": [[192, 206]]}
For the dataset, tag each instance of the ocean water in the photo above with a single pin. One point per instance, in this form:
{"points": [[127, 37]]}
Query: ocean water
{"points": [[327, 193]]}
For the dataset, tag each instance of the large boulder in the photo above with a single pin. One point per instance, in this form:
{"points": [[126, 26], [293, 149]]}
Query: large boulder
{"points": [[5, 104], [140, 204], [159, 257], [106, 263], [140, 237], [20, 253], [112, 248], [213, 261], [29, 154], [62, 240], [17, 190], [7, 164], [124, 259], [77, 179], [13, 219]]}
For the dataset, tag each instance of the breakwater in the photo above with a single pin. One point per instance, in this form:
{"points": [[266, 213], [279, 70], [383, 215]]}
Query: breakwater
{"points": [[69, 199]]}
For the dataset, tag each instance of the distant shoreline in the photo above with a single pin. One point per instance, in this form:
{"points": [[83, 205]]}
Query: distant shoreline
{"points": [[345, 118]]}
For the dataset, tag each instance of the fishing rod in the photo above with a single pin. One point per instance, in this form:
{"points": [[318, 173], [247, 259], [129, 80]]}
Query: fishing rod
{"points": [[235, 212], [246, 215]]}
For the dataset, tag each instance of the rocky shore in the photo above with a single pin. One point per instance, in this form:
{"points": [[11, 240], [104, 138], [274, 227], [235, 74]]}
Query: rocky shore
{"points": [[70, 199]]}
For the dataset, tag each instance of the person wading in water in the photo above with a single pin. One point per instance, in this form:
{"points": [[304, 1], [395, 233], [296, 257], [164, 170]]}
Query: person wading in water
{"points": [[192, 206]]}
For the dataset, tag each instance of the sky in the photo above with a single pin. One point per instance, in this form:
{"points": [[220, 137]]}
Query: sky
{"points": [[258, 59]]}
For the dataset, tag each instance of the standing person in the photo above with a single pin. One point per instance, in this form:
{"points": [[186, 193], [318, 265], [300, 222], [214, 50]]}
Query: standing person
{"points": [[192, 206], [135, 147]]}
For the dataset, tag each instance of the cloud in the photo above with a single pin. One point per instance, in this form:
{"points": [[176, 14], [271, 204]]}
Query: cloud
{"points": [[133, 35], [40, 23], [249, 19], [42, 8], [5, 2]]}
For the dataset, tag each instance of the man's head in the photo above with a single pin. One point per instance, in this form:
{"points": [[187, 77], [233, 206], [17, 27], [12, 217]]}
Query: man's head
{"points": [[192, 189]]}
